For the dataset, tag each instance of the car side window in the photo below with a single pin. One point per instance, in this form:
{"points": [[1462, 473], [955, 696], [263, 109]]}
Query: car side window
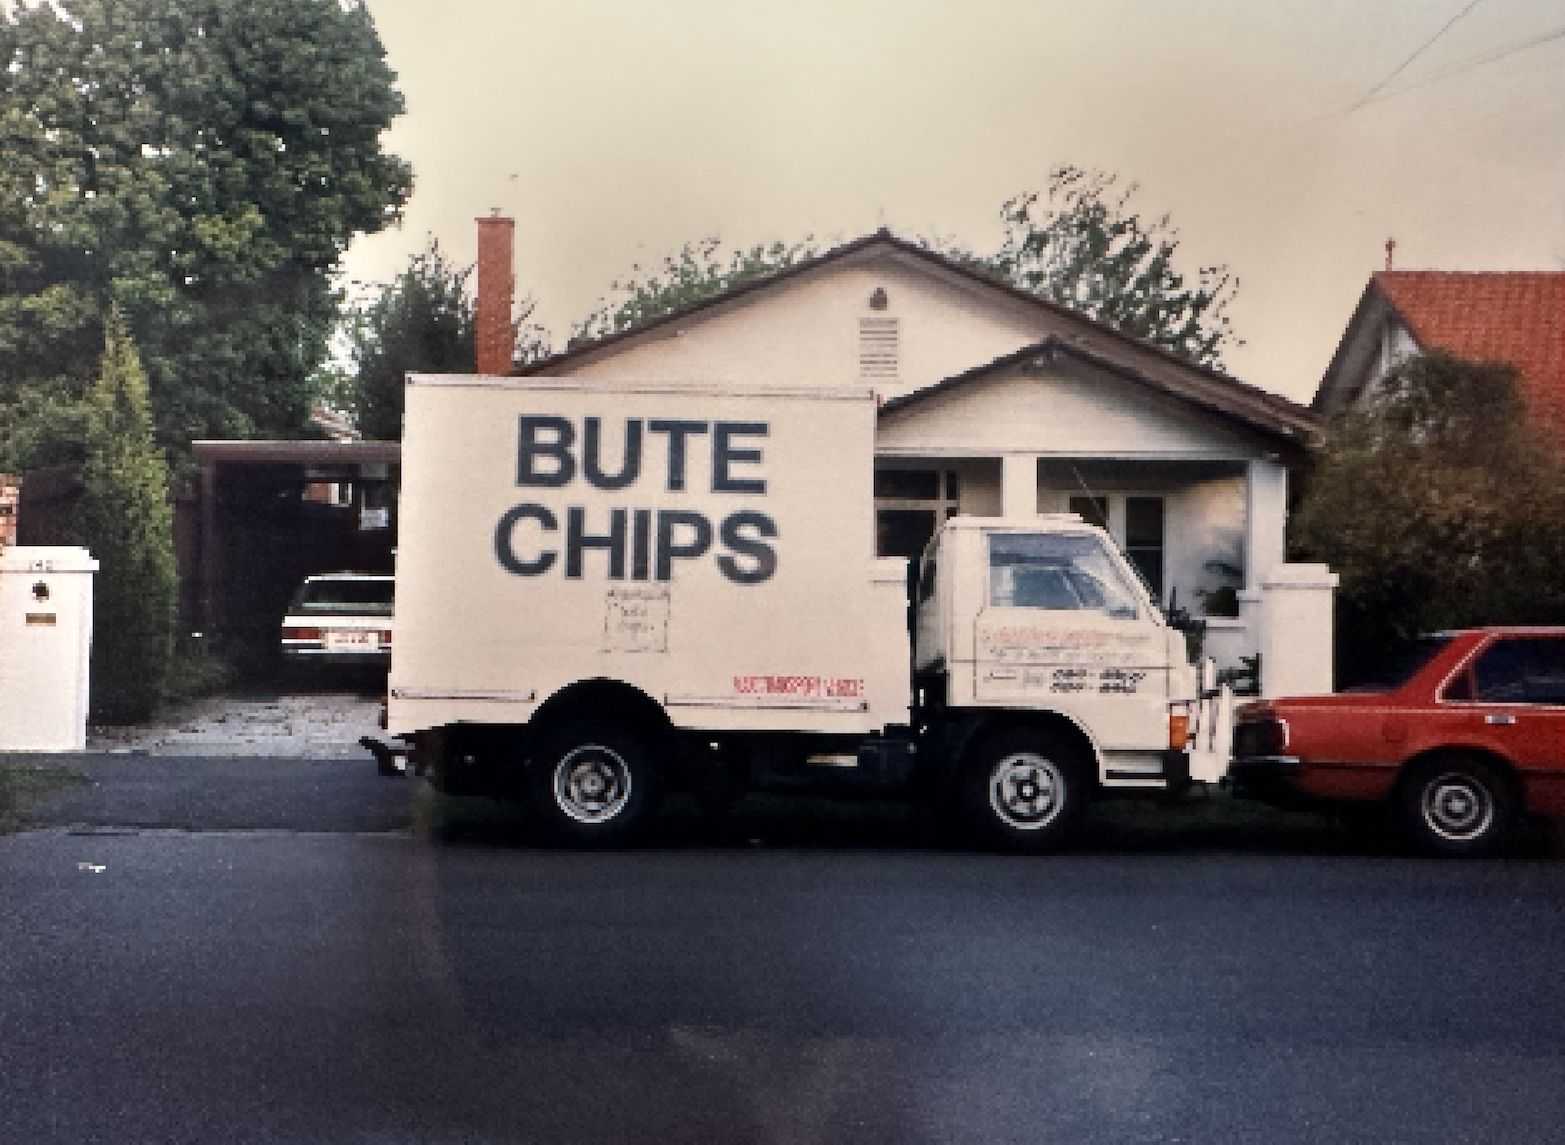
{"points": [[1546, 685], [1521, 670]]}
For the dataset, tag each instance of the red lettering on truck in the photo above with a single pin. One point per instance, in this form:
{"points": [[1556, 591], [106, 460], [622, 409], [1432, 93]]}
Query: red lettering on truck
{"points": [[834, 686]]}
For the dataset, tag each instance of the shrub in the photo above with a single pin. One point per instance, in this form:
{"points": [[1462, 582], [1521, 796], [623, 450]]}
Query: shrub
{"points": [[1441, 506], [128, 525]]}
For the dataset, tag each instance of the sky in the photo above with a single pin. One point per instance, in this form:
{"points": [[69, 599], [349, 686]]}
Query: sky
{"points": [[614, 132]]}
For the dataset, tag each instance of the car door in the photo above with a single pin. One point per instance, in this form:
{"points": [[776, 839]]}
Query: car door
{"points": [[1518, 686]]}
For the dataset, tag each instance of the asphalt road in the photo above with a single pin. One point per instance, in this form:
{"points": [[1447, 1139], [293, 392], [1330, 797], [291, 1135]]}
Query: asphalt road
{"points": [[412, 970]]}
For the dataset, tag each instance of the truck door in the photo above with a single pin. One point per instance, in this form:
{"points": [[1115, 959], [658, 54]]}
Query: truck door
{"points": [[1063, 628]]}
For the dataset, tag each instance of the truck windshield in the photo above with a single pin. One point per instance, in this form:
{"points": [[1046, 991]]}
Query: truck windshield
{"points": [[1070, 571]]}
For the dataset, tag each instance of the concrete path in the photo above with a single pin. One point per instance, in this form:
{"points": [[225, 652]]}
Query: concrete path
{"points": [[310, 725]]}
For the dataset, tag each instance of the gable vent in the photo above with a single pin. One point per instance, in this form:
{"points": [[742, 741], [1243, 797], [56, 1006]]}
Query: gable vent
{"points": [[879, 347]]}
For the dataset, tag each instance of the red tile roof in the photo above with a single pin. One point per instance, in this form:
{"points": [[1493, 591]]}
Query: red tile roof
{"points": [[1517, 317]]}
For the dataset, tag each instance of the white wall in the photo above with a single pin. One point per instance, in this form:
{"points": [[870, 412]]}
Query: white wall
{"points": [[806, 332], [979, 488], [1395, 345], [1072, 412]]}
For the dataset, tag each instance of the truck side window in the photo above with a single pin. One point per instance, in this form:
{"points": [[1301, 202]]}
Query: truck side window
{"points": [[1057, 572]]}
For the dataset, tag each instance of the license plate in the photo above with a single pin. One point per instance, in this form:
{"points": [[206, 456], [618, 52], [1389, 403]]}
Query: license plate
{"points": [[351, 640]]}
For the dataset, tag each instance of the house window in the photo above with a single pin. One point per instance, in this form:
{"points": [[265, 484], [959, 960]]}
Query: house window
{"points": [[879, 348], [909, 506], [1093, 510], [1136, 524], [1144, 540]]}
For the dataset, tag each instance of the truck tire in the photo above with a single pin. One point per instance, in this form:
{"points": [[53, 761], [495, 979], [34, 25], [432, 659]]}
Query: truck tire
{"points": [[594, 786], [1456, 805], [1024, 791]]}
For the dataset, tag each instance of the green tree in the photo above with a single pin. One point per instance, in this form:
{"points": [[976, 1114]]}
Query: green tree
{"points": [[126, 523], [201, 166], [1439, 507], [1082, 244], [698, 270], [420, 321]]}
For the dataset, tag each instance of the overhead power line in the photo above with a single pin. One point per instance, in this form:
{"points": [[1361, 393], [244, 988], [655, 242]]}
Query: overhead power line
{"points": [[1468, 65], [1418, 51]]}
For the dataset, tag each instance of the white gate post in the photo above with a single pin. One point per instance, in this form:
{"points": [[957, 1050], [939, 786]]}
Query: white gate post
{"points": [[1296, 631]]}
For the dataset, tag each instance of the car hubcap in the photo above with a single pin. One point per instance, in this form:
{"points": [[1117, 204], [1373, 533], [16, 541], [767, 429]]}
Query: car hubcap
{"points": [[1027, 791], [1458, 807], [592, 783]]}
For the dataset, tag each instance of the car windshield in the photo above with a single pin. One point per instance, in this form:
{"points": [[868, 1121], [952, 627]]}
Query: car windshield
{"points": [[362, 596]]}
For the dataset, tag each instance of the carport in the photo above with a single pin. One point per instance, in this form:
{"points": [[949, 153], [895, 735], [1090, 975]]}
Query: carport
{"points": [[270, 513]]}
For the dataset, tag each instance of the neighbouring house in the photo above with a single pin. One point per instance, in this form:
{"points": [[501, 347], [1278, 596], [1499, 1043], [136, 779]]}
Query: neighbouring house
{"points": [[996, 402], [1514, 317]]}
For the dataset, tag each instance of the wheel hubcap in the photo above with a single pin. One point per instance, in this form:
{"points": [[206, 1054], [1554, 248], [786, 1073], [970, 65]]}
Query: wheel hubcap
{"points": [[592, 783], [1027, 791], [1457, 807]]}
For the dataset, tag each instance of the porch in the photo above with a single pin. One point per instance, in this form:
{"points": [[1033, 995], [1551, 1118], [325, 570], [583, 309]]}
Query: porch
{"points": [[1203, 533]]}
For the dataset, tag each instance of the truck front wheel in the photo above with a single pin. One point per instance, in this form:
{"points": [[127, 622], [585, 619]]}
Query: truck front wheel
{"points": [[1024, 791], [594, 786]]}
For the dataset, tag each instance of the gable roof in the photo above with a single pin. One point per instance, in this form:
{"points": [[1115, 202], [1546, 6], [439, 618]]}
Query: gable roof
{"points": [[1515, 317], [1145, 358], [1248, 407]]}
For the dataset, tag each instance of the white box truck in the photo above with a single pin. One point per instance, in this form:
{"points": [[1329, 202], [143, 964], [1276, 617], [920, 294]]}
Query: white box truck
{"points": [[606, 590]]}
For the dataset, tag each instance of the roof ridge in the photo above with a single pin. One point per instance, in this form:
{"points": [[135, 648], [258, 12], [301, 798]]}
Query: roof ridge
{"points": [[918, 249], [1302, 422]]}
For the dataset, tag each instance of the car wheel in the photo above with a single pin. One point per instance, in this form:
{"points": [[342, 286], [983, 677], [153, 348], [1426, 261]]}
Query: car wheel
{"points": [[594, 786], [1457, 806], [1024, 791]]}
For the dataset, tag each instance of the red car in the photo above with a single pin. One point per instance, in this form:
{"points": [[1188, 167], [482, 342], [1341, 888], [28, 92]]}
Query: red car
{"points": [[1468, 740]]}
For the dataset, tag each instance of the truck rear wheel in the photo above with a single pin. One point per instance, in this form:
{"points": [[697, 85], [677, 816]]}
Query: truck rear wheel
{"points": [[1024, 791], [593, 785]]}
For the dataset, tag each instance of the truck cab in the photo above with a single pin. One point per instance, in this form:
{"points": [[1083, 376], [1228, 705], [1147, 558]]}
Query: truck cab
{"points": [[1043, 617]]}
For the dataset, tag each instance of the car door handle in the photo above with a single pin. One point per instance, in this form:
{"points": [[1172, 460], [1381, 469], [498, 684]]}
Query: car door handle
{"points": [[1502, 718]]}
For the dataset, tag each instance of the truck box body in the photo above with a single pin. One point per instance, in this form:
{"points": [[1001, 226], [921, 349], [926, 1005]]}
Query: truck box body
{"points": [[711, 546]]}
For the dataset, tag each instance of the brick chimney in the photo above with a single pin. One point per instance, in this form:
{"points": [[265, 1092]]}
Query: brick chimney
{"points": [[492, 337]]}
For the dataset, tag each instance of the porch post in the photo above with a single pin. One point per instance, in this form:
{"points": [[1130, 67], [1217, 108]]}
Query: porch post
{"points": [[1266, 518], [1019, 485], [207, 600]]}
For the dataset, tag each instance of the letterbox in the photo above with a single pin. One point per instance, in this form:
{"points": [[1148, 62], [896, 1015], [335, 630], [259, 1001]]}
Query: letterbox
{"points": [[45, 644]]}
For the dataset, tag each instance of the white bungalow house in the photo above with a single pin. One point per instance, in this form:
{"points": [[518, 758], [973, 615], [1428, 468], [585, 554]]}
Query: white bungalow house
{"points": [[993, 402]]}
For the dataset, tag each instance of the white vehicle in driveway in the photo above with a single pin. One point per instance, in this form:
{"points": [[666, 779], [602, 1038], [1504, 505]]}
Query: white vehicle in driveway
{"points": [[340, 619]]}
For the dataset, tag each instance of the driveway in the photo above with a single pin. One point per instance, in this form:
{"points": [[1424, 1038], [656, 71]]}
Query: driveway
{"points": [[299, 725]]}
